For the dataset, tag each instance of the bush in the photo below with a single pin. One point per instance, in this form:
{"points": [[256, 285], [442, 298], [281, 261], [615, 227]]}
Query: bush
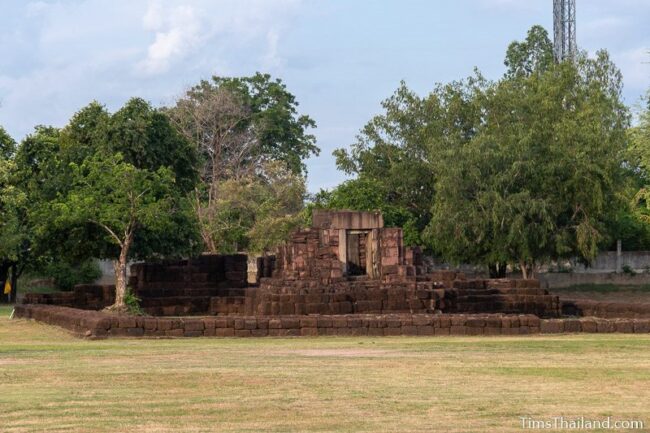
{"points": [[133, 303], [66, 275]]}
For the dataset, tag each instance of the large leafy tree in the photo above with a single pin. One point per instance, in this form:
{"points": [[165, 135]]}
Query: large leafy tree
{"points": [[391, 154], [539, 177], [110, 186], [639, 155], [247, 131], [120, 200], [282, 132]]}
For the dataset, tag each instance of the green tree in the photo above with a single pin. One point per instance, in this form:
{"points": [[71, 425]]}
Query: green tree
{"points": [[119, 199], [539, 179], [257, 212], [391, 153], [242, 128], [282, 132], [533, 55], [639, 156], [365, 194], [78, 181]]}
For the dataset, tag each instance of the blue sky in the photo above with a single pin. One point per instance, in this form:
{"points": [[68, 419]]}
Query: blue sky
{"points": [[339, 57]]}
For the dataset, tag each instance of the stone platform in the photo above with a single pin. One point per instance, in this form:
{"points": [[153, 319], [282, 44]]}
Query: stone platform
{"points": [[96, 324]]}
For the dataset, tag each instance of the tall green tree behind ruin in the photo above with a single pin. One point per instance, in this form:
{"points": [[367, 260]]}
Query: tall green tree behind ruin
{"points": [[252, 144], [540, 178]]}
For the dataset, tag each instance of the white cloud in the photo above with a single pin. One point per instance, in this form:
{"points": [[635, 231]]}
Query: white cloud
{"points": [[635, 66], [177, 32], [181, 29]]}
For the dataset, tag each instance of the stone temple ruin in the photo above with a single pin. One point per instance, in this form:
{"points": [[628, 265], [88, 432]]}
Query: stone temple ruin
{"points": [[347, 269], [346, 275]]}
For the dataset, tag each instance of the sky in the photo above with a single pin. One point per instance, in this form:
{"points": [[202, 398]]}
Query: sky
{"points": [[340, 58]]}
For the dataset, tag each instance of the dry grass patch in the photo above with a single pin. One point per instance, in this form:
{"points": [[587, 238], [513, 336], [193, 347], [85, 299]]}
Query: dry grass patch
{"points": [[53, 382]]}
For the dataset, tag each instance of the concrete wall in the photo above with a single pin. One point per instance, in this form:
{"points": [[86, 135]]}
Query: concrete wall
{"points": [[609, 261]]}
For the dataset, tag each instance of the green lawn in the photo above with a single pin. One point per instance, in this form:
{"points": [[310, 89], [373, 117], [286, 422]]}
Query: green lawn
{"points": [[53, 382]]}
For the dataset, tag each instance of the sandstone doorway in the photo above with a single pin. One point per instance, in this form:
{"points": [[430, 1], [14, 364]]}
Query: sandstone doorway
{"points": [[357, 252]]}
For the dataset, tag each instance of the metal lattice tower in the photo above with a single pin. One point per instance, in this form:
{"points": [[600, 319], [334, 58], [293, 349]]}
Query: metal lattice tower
{"points": [[564, 29]]}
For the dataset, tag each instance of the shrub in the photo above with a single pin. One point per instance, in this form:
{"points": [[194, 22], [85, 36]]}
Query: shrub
{"points": [[132, 303]]}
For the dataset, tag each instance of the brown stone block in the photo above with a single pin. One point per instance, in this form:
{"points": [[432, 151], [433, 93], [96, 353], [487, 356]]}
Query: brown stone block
{"points": [[119, 332], [641, 326], [409, 330], [457, 320], [475, 330], [290, 323], [475, 323], [392, 331], [175, 332], [354, 322], [300, 308], [262, 323], [375, 332], [605, 326], [425, 330], [572, 325], [458, 330], [441, 331], [127, 322], [209, 323], [392, 322], [250, 324], [308, 322], [421, 320], [242, 332], [289, 332], [187, 333], [589, 325], [445, 322], [287, 309], [150, 324], [177, 323], [221, 322], [625, 326], [345, 308], [309, 331], [324, 322], [552, 326], [194, 325], [259, 332], [339, 322], [491, 330], [357, 331], [533, 321], [275, 323], [209, 332], [239, 323], [318, 308]]}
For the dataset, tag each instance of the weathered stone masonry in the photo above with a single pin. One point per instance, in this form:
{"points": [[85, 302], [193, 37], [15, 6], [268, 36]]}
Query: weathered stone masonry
{"points": [[346, 275]]}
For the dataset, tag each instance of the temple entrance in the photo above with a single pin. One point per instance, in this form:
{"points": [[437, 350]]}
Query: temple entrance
{"points": [[357, 242]]}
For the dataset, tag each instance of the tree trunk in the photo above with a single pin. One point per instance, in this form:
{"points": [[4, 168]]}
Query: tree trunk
{"points": [[120, 275], [524, 269]]}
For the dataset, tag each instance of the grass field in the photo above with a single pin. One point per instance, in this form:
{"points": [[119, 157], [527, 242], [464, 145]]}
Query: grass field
{"points": [[50, 381]]}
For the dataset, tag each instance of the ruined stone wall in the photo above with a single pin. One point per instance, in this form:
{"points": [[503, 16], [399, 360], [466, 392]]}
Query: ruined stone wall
{"points": [[95, 324], [83, 296]]}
